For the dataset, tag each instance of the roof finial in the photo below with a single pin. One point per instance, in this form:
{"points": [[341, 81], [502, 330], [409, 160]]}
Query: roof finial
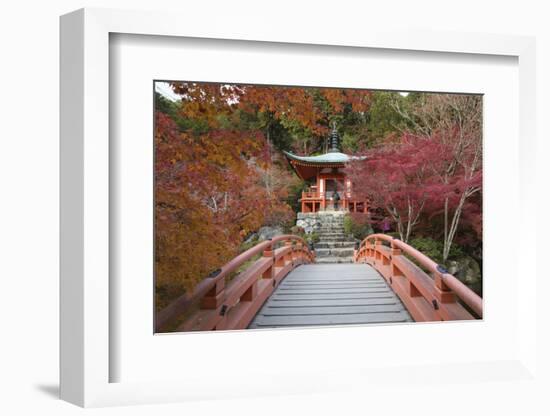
{"points": [[334, 139]]}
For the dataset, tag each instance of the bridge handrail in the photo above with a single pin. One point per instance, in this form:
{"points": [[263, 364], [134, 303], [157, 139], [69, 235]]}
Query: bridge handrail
{"points": [[183, 303], [467, 295]]}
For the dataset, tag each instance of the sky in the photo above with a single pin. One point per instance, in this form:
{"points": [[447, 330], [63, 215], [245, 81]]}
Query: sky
{"points": [[163, 88]]}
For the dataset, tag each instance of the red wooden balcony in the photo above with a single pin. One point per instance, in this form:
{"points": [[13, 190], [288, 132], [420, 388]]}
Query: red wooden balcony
{"points": [[313, 201]]}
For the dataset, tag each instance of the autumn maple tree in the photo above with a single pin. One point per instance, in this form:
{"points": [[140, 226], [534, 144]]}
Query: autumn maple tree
{"points": [[453, 121], [395, 178], [203, 198], [431, 167], [219, 174]]}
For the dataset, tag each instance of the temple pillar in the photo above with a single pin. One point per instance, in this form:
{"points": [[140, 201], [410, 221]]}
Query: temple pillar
{"points": [[322, 193]]}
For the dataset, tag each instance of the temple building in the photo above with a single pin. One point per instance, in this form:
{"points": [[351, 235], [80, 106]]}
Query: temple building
{"points": [[328, 187]]}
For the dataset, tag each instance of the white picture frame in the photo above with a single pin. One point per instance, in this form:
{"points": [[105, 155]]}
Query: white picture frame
{"points": [[86, 356]]}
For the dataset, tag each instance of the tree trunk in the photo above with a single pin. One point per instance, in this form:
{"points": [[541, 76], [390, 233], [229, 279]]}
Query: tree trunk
{"points": [[450, 234], [268, 174], [445, 229]]}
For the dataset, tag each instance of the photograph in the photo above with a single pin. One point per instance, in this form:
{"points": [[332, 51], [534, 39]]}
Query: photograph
{"points": [[297, 206]]}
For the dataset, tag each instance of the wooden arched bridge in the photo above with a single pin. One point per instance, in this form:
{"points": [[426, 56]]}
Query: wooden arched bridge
{"points": [[278, 284]]}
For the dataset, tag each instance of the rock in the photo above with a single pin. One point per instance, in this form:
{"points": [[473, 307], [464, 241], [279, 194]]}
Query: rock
{"points": [[308, 223], [265, 233], [467, 270], [312, 222], [251, 237]]}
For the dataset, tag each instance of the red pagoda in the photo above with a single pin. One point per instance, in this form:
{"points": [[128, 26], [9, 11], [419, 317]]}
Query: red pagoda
{"points": [[328, 187]]}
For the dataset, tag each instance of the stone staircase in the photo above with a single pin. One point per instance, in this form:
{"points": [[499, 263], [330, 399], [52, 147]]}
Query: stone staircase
{"points": [[334, 245]]}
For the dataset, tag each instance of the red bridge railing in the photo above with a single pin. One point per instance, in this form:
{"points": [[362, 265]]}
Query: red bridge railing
{"points": [[430, 295], [215, 305]]}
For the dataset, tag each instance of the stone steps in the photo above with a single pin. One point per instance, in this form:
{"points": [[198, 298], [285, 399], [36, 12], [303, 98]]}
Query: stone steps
{"points": [[334, 252], [322, 260], [334, 244], [341, 239], [331, 234]]}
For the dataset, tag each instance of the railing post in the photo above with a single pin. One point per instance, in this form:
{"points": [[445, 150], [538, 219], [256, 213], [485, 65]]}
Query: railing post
{"points": [[442, 292], [250, 293], [377, 243], [268, 274], [394, 253], [280, 260], [369, 250], [298, 253], [288, 257], [215, 296]]}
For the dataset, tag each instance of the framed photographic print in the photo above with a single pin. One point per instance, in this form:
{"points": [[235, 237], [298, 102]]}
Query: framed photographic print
{"points": [[376, 167], [326, 209]]}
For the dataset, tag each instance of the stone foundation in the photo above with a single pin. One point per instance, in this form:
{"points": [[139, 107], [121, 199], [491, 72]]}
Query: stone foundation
{"points": [[334, 246], [314, 222]]}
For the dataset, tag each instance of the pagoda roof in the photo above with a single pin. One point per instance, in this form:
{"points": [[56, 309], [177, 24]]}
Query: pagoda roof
{"points": [[307, 167], [331, 158]]}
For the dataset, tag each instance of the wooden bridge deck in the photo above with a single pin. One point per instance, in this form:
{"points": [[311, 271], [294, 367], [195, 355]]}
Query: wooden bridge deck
{"points": [[331, 294]]}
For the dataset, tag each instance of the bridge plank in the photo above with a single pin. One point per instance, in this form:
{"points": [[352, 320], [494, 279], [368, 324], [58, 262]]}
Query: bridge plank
{"points": [[307, 320], [331, 294], [333, 302], [331, 310], [292, 282], [332, 288], [337, 296], [345, 291]]}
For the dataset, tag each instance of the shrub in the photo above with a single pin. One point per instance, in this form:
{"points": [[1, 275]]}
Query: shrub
{"points": [[428, 246], [357, 225], [249, 244], [434, 248], [348, 224], [297, 230], [312, 238]]}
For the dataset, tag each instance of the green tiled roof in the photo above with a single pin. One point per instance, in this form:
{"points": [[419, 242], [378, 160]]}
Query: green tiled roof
{"points": [[327, 158]]}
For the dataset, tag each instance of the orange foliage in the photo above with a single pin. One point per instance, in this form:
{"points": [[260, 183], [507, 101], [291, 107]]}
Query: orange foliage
{"points": [[206, 199], [208, 101], [215, 187], [297, 103]]}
